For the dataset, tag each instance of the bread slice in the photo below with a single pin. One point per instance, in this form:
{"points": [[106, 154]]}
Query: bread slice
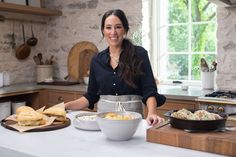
{"points": [[30, 118], [24, 109], [57, 112]]}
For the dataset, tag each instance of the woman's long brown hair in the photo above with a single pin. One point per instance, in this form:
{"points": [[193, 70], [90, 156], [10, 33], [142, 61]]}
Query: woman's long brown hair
{"points": [[129, 63]]}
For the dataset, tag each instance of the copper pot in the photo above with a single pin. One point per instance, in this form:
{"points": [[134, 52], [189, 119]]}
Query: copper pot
{"points": [[23, 51]]}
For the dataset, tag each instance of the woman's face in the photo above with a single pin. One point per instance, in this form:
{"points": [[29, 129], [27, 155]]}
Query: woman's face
{"points": [[113, 31]]}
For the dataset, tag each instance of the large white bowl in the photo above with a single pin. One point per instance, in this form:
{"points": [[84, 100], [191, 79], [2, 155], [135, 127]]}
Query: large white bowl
{"points": [[119, 130], [87, 123]]}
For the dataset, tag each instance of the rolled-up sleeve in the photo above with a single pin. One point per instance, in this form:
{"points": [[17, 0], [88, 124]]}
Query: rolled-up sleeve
{"points": [[148, 84]]}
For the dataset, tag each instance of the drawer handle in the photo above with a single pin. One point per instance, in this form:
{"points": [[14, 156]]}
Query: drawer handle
{"points": [[60, 99]]}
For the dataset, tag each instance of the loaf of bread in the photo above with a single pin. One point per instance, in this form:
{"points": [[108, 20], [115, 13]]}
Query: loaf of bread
{"points": [[24, 109], [57, 112], [30, 118]]}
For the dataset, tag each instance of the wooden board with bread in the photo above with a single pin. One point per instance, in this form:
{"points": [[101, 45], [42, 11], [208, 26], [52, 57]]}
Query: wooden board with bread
{"points": [[28, 119]]}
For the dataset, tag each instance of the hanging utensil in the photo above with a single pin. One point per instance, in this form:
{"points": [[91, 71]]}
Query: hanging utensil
{"points": [[33, 40], [13, 36], [23, 51]]}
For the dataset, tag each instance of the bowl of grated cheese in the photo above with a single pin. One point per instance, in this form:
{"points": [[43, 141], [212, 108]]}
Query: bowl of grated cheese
{"points": [[86, 121]]}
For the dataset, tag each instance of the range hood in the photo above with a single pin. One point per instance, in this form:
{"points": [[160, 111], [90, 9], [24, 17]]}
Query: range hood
{"points": [[224, 3]]}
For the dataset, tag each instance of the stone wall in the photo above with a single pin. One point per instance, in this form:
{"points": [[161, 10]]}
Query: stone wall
{"points": [[226, 53], [80, 22]]}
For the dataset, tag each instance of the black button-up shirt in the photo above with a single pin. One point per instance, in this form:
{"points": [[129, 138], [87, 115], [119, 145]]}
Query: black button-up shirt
{"points": [[104, 80]]}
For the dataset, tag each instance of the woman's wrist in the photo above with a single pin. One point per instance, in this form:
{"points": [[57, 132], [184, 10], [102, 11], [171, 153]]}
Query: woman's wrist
{"points": [[151, 105]]}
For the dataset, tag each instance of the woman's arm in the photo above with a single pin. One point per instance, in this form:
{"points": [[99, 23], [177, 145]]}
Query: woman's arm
{"points": [[77, 104], [152, 117]]}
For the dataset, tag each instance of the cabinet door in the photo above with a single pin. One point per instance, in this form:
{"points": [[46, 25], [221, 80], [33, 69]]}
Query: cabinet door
{"points": [[55, 97]]}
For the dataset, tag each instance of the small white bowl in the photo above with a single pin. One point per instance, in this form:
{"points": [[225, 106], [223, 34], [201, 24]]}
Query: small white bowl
{"points": [[86, 121], [86, 80]]}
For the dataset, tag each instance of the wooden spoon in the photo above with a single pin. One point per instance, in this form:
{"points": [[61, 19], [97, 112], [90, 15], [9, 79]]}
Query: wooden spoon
{"points": [[40, 56], [36, 60]]}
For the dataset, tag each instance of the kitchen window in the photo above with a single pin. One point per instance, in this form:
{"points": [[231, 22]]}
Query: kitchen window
{"points": [[183, 32]]}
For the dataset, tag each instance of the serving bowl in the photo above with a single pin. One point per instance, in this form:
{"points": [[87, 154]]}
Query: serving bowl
{"points": [[86, 121], [116, 129]]}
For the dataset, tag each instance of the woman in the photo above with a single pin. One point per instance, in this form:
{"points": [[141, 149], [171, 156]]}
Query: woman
{"points": [[120, 74]]}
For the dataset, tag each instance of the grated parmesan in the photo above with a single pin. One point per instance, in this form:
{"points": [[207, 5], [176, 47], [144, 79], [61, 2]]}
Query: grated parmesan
{"points": [[87, 117]]}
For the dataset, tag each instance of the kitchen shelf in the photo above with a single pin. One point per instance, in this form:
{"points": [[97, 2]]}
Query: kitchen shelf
{"points": [[28, 10]]}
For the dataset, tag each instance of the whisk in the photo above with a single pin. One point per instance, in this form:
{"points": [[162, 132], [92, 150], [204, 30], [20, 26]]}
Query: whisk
{"points": [[120, 107]]}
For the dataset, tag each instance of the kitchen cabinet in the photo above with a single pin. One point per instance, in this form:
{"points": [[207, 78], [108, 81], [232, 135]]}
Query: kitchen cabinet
{"points": [[16, 8], [31, 98], [50, 97], [172, 104]]}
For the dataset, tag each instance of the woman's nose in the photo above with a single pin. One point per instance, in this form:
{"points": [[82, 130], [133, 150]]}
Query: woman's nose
{"points": [[113, 31]]}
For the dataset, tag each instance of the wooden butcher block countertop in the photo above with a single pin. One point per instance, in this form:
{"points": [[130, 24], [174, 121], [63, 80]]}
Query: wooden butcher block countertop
{"points": [[215, 142]]}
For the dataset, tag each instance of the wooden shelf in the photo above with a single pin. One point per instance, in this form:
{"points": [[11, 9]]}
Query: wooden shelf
{"points": [[28, 10]]}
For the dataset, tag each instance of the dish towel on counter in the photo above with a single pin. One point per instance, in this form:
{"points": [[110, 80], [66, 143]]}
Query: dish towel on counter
{"points": [[108, 103]]}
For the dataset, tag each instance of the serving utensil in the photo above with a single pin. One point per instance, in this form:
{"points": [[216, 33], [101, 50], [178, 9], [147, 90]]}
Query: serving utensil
{"points": [[158, 126], [204, 66], [120, 107], [33, 40]]}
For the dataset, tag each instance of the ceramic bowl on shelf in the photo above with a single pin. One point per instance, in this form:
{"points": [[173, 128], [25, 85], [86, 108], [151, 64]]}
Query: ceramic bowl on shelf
{"points": [[86, 121], [119, 126]]}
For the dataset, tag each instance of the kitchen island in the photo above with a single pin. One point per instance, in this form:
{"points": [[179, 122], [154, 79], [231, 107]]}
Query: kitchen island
{"points": [[71, 142]]}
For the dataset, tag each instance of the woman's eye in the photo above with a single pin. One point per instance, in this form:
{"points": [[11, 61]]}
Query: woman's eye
{"points": [[108, 27], [118, 27]]}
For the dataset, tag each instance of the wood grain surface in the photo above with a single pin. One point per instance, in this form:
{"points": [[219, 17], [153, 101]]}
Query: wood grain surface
{"points": [[55, 126], [79, 58], [214, 142]]}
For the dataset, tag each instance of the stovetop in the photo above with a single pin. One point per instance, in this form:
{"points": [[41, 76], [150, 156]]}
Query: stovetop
{"points": [[219, 97], [222, 94]]}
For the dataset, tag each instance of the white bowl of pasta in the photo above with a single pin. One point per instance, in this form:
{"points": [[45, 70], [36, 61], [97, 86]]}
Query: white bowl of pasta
{"points": [[119, 126]]}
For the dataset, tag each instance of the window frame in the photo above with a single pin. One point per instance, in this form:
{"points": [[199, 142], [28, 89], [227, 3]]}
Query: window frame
{"points": [[158, 41]]}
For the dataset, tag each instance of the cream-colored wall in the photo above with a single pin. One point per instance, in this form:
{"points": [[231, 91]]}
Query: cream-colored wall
{"points": [[226, 53], [80, 22]]}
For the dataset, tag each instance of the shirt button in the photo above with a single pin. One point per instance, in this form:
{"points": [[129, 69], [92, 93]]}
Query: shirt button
{"points": [[114, 84], [114, 72]]}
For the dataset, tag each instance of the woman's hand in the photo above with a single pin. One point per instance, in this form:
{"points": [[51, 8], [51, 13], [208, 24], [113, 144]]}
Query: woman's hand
{"points": [[154, 119]]}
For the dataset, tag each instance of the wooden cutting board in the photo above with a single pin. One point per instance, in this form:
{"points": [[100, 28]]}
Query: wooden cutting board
{"points": [[55, 126], [214, 142], [79, 58]]}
